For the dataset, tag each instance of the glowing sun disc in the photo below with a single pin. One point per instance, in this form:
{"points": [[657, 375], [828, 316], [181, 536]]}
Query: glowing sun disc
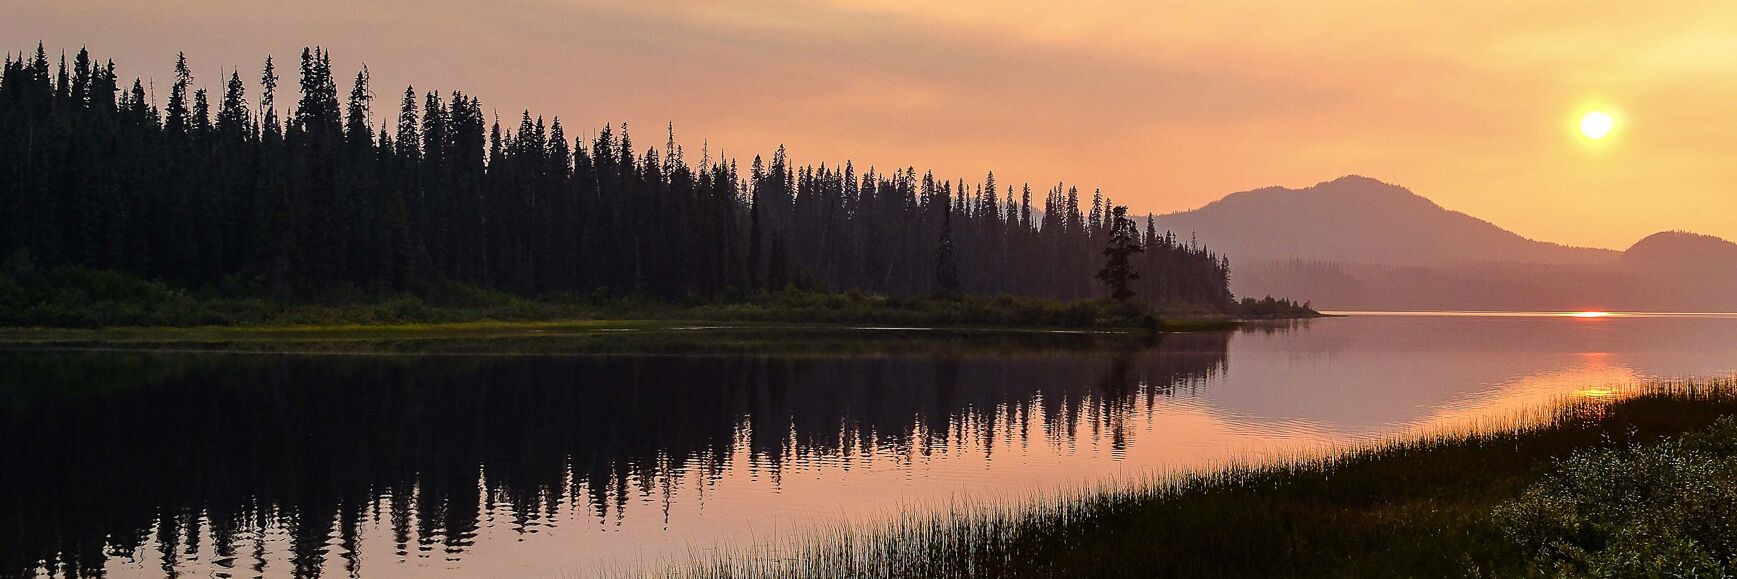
{"points": [[1596, 125], [1589, 314]]}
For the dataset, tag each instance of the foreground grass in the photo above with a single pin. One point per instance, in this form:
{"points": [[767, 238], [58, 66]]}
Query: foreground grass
{"points": [[1419, 508]]}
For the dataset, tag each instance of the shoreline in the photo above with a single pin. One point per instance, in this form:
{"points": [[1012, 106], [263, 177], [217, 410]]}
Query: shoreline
{"points": [[19, 336]]}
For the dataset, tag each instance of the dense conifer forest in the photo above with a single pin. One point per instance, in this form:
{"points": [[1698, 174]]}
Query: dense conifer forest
{"points": [[316, 194]]}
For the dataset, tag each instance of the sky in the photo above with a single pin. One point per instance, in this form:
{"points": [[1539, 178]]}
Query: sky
{"points": [[1164, 105]]}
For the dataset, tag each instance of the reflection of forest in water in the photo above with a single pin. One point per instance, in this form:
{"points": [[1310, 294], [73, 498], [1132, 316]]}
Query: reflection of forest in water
{"points": [[112, 453]]}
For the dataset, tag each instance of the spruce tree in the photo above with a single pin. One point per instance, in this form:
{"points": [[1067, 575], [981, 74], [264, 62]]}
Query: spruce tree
{"points": [[100, 178], [233, 121], [178, 113], [1118, 272], [947, 264]]}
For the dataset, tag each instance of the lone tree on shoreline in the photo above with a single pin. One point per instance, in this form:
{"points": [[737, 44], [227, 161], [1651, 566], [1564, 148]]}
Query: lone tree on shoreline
{"points": [[1118, 273]]}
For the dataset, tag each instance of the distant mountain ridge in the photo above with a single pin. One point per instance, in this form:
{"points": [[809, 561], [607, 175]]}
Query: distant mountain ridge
{"points": [[1682, 252], [1359, 243], [1356, 219]]}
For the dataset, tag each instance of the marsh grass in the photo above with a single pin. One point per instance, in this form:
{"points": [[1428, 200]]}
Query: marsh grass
{"points": [[1419, 506]]}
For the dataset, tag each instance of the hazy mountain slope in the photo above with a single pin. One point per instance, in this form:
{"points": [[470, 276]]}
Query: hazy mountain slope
{"points": [[1358, 243], [1493, 287], [1683, 253], [1358, 220]]}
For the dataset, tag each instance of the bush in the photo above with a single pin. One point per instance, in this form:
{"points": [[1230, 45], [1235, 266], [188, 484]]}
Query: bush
{"points": [[76, 297], [1665, 510]]}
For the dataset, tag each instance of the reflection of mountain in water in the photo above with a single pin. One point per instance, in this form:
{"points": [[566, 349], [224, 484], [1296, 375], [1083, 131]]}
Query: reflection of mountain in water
{"points": [[149, 454], [1360, 376]]}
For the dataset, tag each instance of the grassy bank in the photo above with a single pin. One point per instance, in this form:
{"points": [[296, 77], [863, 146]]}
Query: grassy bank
{"points": [[76, 298], [1638, 487]]}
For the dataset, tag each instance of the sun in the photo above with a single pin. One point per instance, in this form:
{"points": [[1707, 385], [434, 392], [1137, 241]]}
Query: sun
{"points": [[1596, 125]]}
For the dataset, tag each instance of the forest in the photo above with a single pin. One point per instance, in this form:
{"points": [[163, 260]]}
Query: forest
{"points": [[338, 196]]}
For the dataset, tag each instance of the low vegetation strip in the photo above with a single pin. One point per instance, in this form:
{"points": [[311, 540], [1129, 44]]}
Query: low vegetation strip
{"points": [[77, 298], [1643, 486]]}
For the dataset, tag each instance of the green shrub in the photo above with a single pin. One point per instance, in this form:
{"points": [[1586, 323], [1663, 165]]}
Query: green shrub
{"points": [[12, 296], [407, 309], [1664, 510]]}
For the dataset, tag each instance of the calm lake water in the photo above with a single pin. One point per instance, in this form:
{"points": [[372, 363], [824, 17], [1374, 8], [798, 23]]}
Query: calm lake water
{"points": [[559, 455]]}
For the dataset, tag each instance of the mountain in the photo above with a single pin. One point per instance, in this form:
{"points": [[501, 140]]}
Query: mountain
{"points": [[1359, 243], [1682, 253], [1358, 220]]}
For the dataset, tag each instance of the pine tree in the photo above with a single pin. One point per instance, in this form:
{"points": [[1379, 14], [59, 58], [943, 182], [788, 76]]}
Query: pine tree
{"points": [[1076, 221], [1025, 208], [1118, 272], [409, 134], [267, 93], [232, 116], [176, 121], [98, 177], [947, 265], [1096, 222], [358, 114], [201, 119], [755, 233], [80, 93]]}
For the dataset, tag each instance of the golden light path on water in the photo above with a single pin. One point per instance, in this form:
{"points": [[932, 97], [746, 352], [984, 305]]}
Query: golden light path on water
{"points": [[1324, 385]]}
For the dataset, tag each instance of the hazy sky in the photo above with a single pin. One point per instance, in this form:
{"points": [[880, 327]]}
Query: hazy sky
{"points": [[1165, 105]]}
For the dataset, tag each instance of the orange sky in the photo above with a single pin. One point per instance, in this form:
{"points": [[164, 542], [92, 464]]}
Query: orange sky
{"points": [[1165, 105]]}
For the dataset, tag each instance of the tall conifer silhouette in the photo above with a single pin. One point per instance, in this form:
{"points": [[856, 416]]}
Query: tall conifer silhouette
{"points": [[221, 191]]}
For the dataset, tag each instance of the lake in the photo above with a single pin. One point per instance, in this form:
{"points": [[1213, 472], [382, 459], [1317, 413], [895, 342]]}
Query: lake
{"points": [[566, 454]]}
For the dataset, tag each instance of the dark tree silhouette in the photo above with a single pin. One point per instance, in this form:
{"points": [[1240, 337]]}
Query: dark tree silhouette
{"points": [[947, 264], [327, 201], [1118, 272]]}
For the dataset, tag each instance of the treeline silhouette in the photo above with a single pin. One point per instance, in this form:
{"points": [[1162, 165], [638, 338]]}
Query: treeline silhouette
{"points": [[199, 463], [332, 197]]}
